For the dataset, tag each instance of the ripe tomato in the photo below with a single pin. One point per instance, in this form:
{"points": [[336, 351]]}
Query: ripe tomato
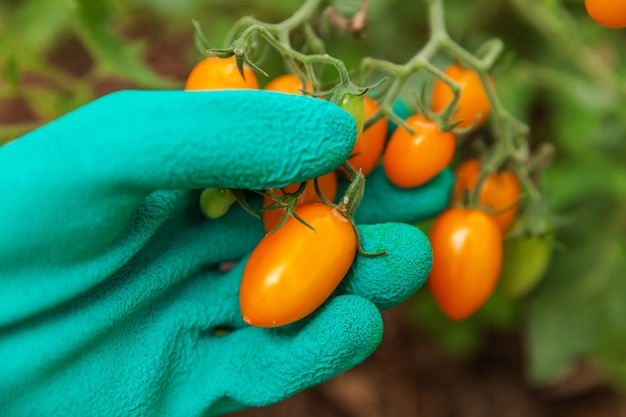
{"points": [[327, 184], [473, 105], [356, 107], [294, 270], [411, 160], [467, 257], [215, 73], [498, 191], [610, 13], [288, 83], [369, 144]]}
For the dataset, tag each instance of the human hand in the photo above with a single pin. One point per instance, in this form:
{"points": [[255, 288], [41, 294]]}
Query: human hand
{"points": [[111, 297]]}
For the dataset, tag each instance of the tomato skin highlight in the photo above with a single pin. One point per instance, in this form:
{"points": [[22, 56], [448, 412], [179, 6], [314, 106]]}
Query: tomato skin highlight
{"points": [[498, 191], [473, 105], [467, 258], [609, 13], [411, 160], [288, 83], [216, 73], [369, 144], [293, 271], [327, 184]]}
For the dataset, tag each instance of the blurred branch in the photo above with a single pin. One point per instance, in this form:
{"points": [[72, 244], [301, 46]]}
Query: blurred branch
{"points": [[557, 27]]}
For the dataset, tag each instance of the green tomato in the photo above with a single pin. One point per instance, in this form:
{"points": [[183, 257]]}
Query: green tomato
{"points": [[524, 264], [214, 202], [356, 107]]}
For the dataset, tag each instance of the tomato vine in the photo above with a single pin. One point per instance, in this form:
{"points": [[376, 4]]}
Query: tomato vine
{"points": [[464, 105], [510, 148]]}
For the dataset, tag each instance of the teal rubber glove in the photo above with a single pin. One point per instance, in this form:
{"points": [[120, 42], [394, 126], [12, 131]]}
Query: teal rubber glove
{"points": [[112, 301]]}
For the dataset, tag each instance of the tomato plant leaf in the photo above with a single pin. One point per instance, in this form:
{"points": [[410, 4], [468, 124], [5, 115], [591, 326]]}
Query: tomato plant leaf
{"points": [[567, 318], [201, 42], [11, 72], [112, 54]]}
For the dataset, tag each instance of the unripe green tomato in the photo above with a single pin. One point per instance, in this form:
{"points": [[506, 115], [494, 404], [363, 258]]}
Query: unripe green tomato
{"points": [[355, 106], [524, 265], [214, 202]]}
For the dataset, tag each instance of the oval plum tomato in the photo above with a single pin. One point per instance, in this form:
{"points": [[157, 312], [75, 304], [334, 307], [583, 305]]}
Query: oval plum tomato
{"points": [[473, 106], [411, 160], [467, 257], [327, 185], [288, 83], [610, 13], [526, 260], [216, 73], [498, 191], [293, 271], [369, 144], [356, 107]]}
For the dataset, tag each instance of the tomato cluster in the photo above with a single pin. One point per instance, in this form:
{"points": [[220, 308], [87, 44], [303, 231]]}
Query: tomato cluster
{"points": [[413, 158], [296, 266]]}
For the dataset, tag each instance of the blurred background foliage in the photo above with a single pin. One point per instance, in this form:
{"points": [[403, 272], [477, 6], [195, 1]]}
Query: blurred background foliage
{"points": [[561, 73]]}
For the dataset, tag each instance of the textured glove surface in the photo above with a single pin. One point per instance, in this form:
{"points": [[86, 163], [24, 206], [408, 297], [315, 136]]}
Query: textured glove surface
{"points": [[111, 299]]}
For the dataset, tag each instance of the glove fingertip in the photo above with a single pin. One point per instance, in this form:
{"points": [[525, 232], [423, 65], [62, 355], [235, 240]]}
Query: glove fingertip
{"points": [[387, 280]]}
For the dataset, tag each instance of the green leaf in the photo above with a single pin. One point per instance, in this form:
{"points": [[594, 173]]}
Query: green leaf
{"points": [[11, 72], [201, 42], [113, 55], [568, 314], [33, 27], [611, 355]]}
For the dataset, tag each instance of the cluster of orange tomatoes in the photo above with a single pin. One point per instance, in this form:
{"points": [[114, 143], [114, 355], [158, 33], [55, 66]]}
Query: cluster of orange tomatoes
{"points": [[282, 282], [466, 242]]}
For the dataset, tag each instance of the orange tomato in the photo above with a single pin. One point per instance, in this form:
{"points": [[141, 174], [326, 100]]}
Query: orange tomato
{"points": [[467, 258], [288, 83], [610, 13], [369, 145], [327, 184], [411, 160], [216, 73], [498, 191], [293, 271], [473, 105]]}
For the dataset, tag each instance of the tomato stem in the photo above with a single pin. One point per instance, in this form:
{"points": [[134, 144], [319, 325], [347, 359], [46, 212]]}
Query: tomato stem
{"points": [[354, 193]]}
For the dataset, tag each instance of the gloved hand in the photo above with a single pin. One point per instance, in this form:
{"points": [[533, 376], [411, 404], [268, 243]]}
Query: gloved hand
{"points": [[111, 299]]}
